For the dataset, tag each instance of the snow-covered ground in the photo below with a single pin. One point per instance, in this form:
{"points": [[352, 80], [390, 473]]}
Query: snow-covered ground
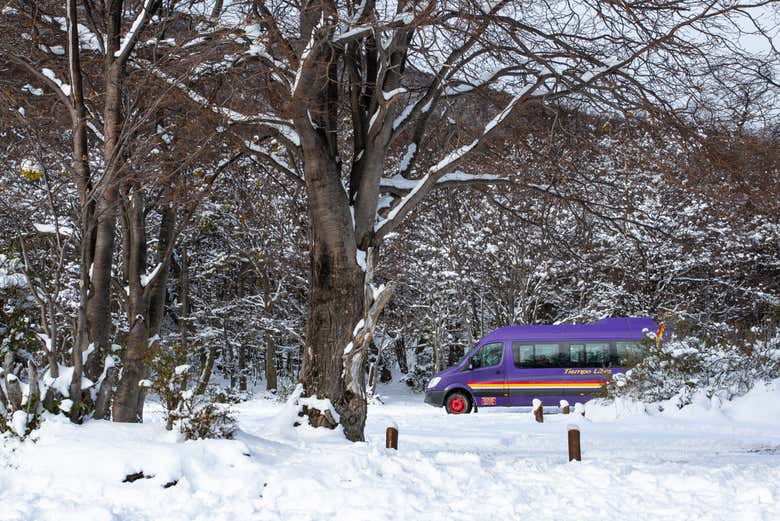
{"points": [[706, 462]]}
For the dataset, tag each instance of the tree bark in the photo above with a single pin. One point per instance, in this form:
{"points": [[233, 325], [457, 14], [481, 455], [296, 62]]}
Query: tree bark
{"points": [[159, 290], [400, 354], [335, 303], [34, 393], [129, 398], [83, 182], [208, 366], [103, 402], [128, 402], [270, 362], [241, 367], [99, 303], [4, 400]]}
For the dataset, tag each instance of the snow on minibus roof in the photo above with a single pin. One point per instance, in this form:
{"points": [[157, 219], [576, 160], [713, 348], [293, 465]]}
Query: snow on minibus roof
{"points": [[624, 328]]}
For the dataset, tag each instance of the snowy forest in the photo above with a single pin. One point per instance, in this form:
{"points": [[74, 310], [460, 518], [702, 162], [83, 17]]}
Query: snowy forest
{"points": [[206, 205]]}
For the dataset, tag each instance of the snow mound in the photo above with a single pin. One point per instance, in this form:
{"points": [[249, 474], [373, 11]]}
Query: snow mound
{"points": [[761, 405]]}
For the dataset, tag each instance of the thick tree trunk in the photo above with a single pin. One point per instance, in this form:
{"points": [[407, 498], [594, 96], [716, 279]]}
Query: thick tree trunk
{"points": [[335, 304], [335, 307]]}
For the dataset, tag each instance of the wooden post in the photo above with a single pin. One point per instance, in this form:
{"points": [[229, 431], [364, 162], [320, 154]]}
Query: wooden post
{"points": [[574, 443], [391, 438], [564, 407], [538, 411]]}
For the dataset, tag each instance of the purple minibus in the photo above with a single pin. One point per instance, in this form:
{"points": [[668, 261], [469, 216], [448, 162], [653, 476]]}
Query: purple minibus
{"points": [[515, 364]]}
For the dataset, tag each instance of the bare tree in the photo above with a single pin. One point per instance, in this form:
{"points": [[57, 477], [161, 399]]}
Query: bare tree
{"points": [[350, 82]]}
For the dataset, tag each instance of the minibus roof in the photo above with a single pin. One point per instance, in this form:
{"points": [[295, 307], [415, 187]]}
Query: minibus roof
{"points": [[626, 328]]}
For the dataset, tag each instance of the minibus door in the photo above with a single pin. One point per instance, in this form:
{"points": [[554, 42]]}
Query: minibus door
{"points": [[487, 375]]}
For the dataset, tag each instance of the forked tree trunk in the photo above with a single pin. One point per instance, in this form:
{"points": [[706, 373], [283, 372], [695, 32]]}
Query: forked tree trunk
{"points": [[335, 304], [339, 222], [128, 402]]}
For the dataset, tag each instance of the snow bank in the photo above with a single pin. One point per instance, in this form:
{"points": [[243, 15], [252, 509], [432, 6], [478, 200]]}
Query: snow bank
{"points": [[761, 405], [712, 461], [79, 472]]}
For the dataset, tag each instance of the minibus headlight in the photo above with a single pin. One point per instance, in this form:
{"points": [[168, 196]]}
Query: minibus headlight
{"points": [[434, 382]]}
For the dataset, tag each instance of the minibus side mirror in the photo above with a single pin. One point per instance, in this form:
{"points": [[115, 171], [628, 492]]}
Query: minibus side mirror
{"points": [[471, 364]]}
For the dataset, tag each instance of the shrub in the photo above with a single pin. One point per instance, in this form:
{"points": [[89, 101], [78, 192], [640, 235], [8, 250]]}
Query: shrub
{"points": [[200, 417], [723, 365]]}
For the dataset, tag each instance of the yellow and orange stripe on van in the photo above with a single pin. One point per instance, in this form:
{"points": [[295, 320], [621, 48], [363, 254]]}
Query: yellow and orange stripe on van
{"points": [[583, 384]]}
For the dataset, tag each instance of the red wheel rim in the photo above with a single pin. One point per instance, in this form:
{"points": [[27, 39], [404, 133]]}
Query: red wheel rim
{"points": [[457, 404]]}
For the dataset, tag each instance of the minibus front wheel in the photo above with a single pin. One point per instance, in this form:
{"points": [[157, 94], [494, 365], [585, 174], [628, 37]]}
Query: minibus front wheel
{"points": [[458, 402]]}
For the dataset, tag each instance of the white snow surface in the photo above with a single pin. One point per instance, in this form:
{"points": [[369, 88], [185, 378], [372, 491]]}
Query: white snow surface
{"points": [[64, 87], [708, 461], [50, 229]]}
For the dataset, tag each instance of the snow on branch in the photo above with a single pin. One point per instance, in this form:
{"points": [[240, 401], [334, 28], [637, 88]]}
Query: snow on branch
{"points": [[348, 34], [128, 42], [401, 184], [52, 229], [149, 277], [64, 87], [438, 171], [486, 78], [304, 56], [277, 161], [284, 128]]}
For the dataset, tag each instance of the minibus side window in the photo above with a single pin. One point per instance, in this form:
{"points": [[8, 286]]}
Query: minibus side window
{"points": [[536, 355], [596, 354], [523, 355], [628, 353], [577, 355], [487, 356], [547, 355]]}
